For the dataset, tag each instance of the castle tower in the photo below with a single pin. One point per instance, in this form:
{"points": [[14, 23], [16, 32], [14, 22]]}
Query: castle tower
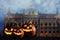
{"points": [[57, 13], [31, 11], [8, 14]]}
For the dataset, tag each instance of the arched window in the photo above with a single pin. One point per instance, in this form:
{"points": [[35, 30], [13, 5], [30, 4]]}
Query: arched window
{"points": [[45, 31], [53, 24], [57, 31], [41, 31], [58, 24], [49, 24], [45, 24], [49, 31], [41, 24], [53, 31]]}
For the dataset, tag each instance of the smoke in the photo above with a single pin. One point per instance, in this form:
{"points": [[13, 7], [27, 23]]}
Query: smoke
{"points": [[43, 6], [47, 6]]}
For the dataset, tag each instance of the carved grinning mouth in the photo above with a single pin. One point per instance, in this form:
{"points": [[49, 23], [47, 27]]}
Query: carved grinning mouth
{"points": [[27, 30], [17, 33], [8, 33]]}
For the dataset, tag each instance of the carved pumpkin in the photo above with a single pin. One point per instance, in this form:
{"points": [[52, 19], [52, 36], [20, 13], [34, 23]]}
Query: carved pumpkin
{"points": [[30, 28], [19, 32], [27, 28], [8, 28], [8, 31]]}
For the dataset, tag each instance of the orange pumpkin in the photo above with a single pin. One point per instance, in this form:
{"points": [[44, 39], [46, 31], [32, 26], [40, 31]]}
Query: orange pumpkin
{"points": [[29, 28], [8, 31], [8, 28], [19, 32]]}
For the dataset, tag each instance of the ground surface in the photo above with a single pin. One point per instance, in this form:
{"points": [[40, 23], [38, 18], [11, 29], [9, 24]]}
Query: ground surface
{"points": [[27, 38]]}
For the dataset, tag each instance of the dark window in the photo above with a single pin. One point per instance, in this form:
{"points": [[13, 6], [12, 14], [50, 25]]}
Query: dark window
{"points": [[53, 24], [57, 31], [58, 24], [53, 31], [45, 24], [45, 31], [41, 24], [41, 31], [49, 31], [49, 24]]}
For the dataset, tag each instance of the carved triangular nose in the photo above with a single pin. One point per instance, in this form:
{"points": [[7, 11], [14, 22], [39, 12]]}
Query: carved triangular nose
{"points": [[28, 27]]}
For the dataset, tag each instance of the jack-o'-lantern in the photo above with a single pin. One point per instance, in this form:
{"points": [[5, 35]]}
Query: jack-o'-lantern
{"points": [[19, 32], [8, 28], [8, 31], [30, 28]]}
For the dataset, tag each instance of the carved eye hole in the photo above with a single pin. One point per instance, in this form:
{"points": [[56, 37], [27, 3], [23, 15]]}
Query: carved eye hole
{"points": [[6, 29], [30, 25], [11, 29], [14, 29], [25, 25]]}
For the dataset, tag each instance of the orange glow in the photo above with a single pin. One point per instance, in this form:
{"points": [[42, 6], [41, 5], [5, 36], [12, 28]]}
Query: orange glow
{"points": [[18, 32], [33, 30], [30, 25], [27, 30], [25, 25], [14, 29], [11, 29], [30, 22], [6, 29], [8, 32]]}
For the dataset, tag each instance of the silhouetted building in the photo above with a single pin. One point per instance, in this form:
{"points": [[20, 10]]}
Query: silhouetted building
{"points": [[46, 24]]}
